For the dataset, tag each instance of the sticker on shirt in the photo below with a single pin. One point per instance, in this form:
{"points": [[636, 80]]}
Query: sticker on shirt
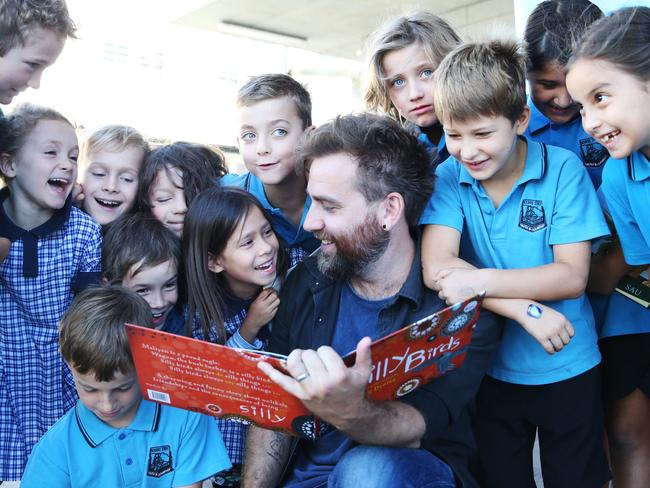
{"points": [[593, 154], [533, 217], [160, 461]]}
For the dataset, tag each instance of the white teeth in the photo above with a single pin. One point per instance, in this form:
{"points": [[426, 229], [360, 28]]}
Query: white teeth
{"points": [[611, 135], [58, 181], [157, 315], [264, 266], [108, 203]]}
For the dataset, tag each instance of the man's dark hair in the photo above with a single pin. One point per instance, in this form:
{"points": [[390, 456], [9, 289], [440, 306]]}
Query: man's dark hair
{"points": [[389, 159]]}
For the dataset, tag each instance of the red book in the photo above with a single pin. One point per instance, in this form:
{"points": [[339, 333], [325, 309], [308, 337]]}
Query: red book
{"points": [[224, 382]]}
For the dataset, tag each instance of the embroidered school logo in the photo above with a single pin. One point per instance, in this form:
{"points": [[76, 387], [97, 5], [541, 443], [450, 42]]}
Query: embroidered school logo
{"points": [[160, 461], [593, 154], [532, 216]]}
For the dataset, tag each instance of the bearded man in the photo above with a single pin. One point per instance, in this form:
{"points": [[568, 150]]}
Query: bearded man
{"points": [[369, 181]]}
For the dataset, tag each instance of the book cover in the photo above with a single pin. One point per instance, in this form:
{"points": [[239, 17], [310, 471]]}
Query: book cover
{"points": [[224, 382], [635, 288]]}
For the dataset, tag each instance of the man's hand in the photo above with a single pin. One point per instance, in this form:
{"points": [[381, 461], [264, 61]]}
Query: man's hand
{"points": [[457, 284], [327, 387], [552, 329], [260, 313], [5, 244]]}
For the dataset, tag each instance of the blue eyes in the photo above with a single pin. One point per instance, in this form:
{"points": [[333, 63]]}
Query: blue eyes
{"points": [[425, 74]]}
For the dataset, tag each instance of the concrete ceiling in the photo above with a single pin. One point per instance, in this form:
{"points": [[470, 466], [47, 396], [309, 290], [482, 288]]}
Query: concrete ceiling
{"points": [[340, 27]]}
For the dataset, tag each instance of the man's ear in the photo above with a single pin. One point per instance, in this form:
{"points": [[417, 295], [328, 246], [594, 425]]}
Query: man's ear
{"points": [[391, 210], [522, 121], [213, 264], [7, 165]]}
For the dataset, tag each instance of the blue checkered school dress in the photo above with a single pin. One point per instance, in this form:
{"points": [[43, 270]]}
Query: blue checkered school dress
{"points": [[36, 280]]}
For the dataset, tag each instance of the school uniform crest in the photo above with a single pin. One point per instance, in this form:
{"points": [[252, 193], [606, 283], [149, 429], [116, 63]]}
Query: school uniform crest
{"points": [[160, 461], [532, 217], [593, 154]]}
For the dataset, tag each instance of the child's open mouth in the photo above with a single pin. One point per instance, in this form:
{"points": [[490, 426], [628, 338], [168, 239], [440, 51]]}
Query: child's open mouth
{"points": [[610, 136], [59, 185], [158, 318], [267, 266], [109, 204]]}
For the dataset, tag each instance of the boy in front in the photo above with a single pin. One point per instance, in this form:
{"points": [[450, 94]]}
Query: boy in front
{"points": [[113, 437], [524, 214]]}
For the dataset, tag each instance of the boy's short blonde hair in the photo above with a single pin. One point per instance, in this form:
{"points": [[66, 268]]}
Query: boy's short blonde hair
{"points": [[276, 85], [435, 36], [19, 17], [481, 79], [113, 138], [92, 336]]}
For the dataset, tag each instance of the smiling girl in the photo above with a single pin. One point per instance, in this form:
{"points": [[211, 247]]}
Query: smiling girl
{"points": [[55, 247], [232, 258], [610, 80], [173, 175]]}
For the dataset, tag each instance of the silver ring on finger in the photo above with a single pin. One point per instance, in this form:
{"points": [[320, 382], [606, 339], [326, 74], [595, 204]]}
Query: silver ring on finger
{"points": [[302, 377]]}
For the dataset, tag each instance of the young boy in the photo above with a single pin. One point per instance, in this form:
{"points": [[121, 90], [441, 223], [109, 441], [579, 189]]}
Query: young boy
{"points": [[112, 437], [523, 213], [140, 253], [55, 249], [32, 35], [112, 158], [274, 112]]}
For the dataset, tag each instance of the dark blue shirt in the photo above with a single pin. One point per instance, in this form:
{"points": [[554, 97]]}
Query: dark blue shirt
{"points": [[357, 319]]}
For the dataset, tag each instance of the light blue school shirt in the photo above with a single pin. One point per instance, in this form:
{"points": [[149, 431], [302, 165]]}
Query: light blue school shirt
{"points": [[163, 447], [288, 234], [626, 186], [553, 202], [571, 136]]}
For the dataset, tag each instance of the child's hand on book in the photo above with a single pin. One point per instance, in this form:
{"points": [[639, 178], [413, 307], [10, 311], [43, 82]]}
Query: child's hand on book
{"points": [[331, 390], [551, 329], [260, 313]]}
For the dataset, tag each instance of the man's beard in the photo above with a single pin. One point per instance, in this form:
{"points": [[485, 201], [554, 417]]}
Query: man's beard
{"points": [[355, 250]]}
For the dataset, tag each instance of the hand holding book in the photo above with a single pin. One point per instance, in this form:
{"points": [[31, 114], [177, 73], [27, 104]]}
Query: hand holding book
{"points": [[225, 382], [325, 384]]}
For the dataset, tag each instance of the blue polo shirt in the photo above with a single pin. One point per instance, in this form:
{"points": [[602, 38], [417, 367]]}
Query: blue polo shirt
{"points": [[163, 447], [626, 186], [553, 202], [571, 136], [288, 234]]}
